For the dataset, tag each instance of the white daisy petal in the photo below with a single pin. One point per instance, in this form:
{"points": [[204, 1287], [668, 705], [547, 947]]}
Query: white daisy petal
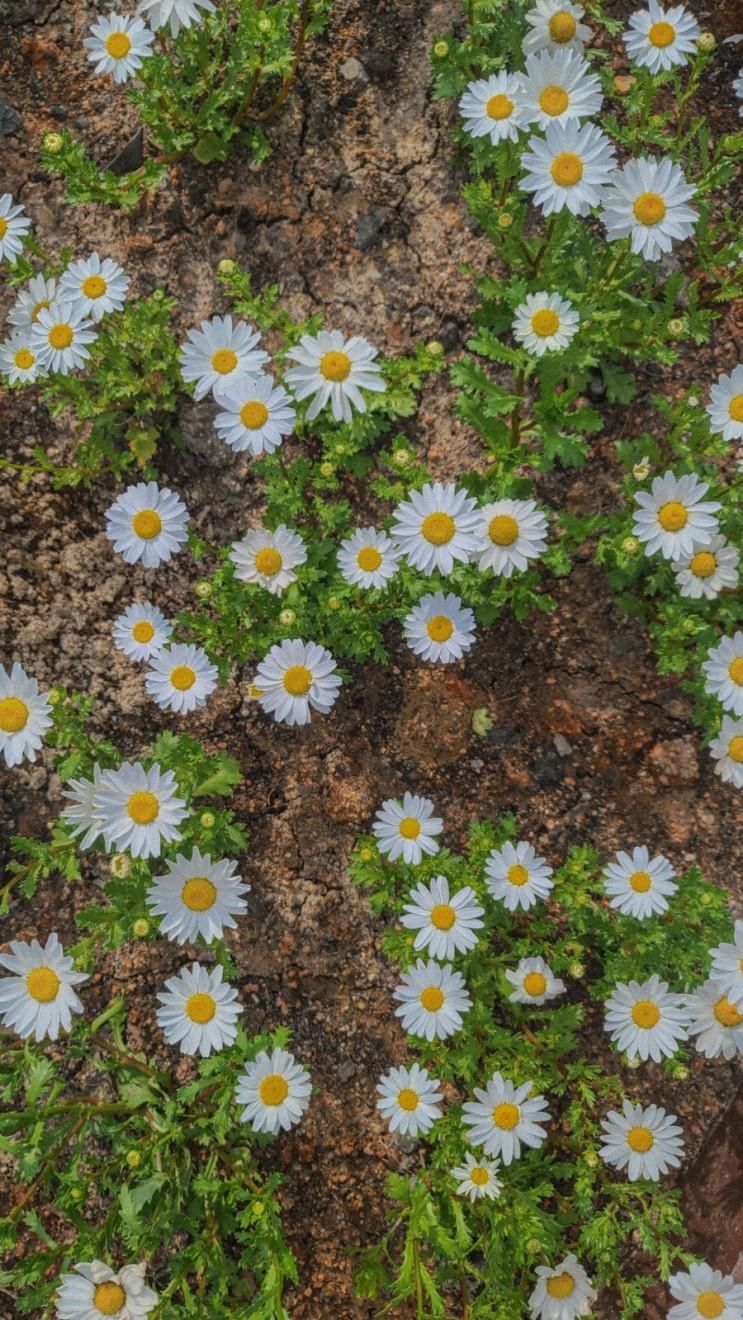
{"points": [[197, 1011], [646, 1020], [410, 1100], [432, 1000], [445, 924], [516, 877], [275, 1090], [98, 285], [557, 87], [60, 336], [562, 1292], [147, 524], [80, 815], [569, 167], [256, 414], [296, 677], [509, 534], [716, 1022], [14, 225], [221, 353], [180, 678], [674, 517], [19, 361], [711, 569], [94, 1289], [478, 1178], [141, 631], [24, 715], [659, 39], [197, 898], [704, 1292], [268, 559], [332, 369], [118, 44], [544, 323], [644, 1141], [638, 885], [489, 108], [368, 558], [435, 527], [503, 1118], [647, 201], [723, 670], [39, 293], [178, 13], [38, 999], [725, 408], [439, 628], [534, 982], [555, 25], [727, 751], [727, 966], [407, 829], [138, 809]]}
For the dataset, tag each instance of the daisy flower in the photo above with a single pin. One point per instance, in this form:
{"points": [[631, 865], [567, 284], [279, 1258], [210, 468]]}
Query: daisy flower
{"points": [[141, 631], [275, 1091], [179, 13], [368, 558], [638, 886], [332, 369], [80, 815], [18, 360], [711, 569], [674, 517], [645, 1142], [647, 201], [198, 1012], [256, 414], [516, 877], [705, 1292], [562, 1293], [139, 809], [407, 829], [24, 715], [446, 924], [118, 45], [723, 670], [435, 527], [60, 336], [219, 353], [147, 524], [509, 534], [180, 678], [100, 286], [716, 1022], [646, 1019], [660, 39], [558, 86], [432, 1000], [545, 323], [570, 167], [95, 1289], [727, 751], [197, 897], [14, 224], [727, 965], [534, 982], [725, 408], [268, 559], [38, 294], [410, 1100], [439, 628], [555, 25], [478, 1177], [38, 999], [296, 677], [502, 1119], [489, 108]]}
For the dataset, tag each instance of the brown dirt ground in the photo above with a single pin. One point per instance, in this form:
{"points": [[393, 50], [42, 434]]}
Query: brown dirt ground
{"points": [[357, 214]]}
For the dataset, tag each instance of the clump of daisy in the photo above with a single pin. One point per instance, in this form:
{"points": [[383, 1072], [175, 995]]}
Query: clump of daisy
{"points": [[489, 108], [711, 569], [563, 1292], [702, 1291], [638, 885], [440, 628], [410, 1100], [198, 1012], [219, 353], [716, 1022], [534, 982], [334, 370], [85, 824], [38, 294], [24, 715], [14, 225], [516, 877], [407, 829], [478, 1178], [180, 678], [141, 631], [647, 201], [38, 999], [569, 167], [94, 1289], [644, 1141], [723, 671], [60, 336], [273, 1092], [509, 534], [727, 752], [727, 965], [545, 323], [99, 286], [268, 559], [118, 44], [139, 809], [558, 87], [446, 924], [368, 558], [432, 1000], [555, 25], [435, 527], [295, 678], [503, 1118], [147, 524], [19, 361], [674, 517], [660, 39], [256, 415], [178, 13], [725, 407], [197, 898], [646, 1020]]}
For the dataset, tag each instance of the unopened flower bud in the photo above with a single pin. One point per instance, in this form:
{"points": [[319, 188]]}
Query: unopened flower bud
{"points": [[120, 866], [505, 220], [689, 626], [207, 820], [630, 545], [334, 603], [227, 267], [706, 41], [675, 326], [133, 1159], [53, 143], [264, 23], [367, 854], [440, 49], [326, 469], [54, 696], [401, 457], [591, 1159], [693, 401], [641, 470], [286, 618], [435, 348], [141, 928], [577, 970], [533, 1246], [203, 589]]}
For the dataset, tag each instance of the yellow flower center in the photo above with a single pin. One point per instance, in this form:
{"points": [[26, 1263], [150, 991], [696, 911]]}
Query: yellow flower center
{"points": [[198, 893], [443, 916], [499, 106], [273, 1089], [479, 1176], [735, 670], [369, 559], [254, 415], [561, 1285], [553, 100], [567, 169], [408, 1099], [42, 984], [517, 875], [143, 631], [506, 1116], [182, 677], [727, 1014], [710, 1305], [545, 322], [3, 227], [118, 45], [438, 528], [672, 516], [703, 564], [640, 881], [661, 34], [432, 998], [224, 361], [109, 1298], [535, 984], [735, 408], [410, 828], [60, 335], [735, 748], [94, 286], [13, 714], [24, 359], [40, 307], [649, 208], [640, 1139], [562, 27], [503, 529], [200, 1008], [143, 808], [268, 561], [147, 524], [439, 628], [298, 680], [645, 1014], [335, 366]]}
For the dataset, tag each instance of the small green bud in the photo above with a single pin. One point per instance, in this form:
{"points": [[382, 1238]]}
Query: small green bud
{"points": [[705, 899], [681, 1072], [534, 1246], [286, 618], [54, 696], [630, 545], [676, 326], [257, 1209], [141, 928], [227, 267], [482, 722], [334, 603], [340, 449], [77, 1193], [435, 348], [120, 866], [641, 470], [577, 970], [203, 589], [326, 469], [637, 325], [505, 220], [706, 41], [693, 401], [591, 1159], [633, 1061], [441, 49], [133, 1159], [367, 854], [689, 626], [401, 457], [207, 820], [53, 143], [264, 23]]}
